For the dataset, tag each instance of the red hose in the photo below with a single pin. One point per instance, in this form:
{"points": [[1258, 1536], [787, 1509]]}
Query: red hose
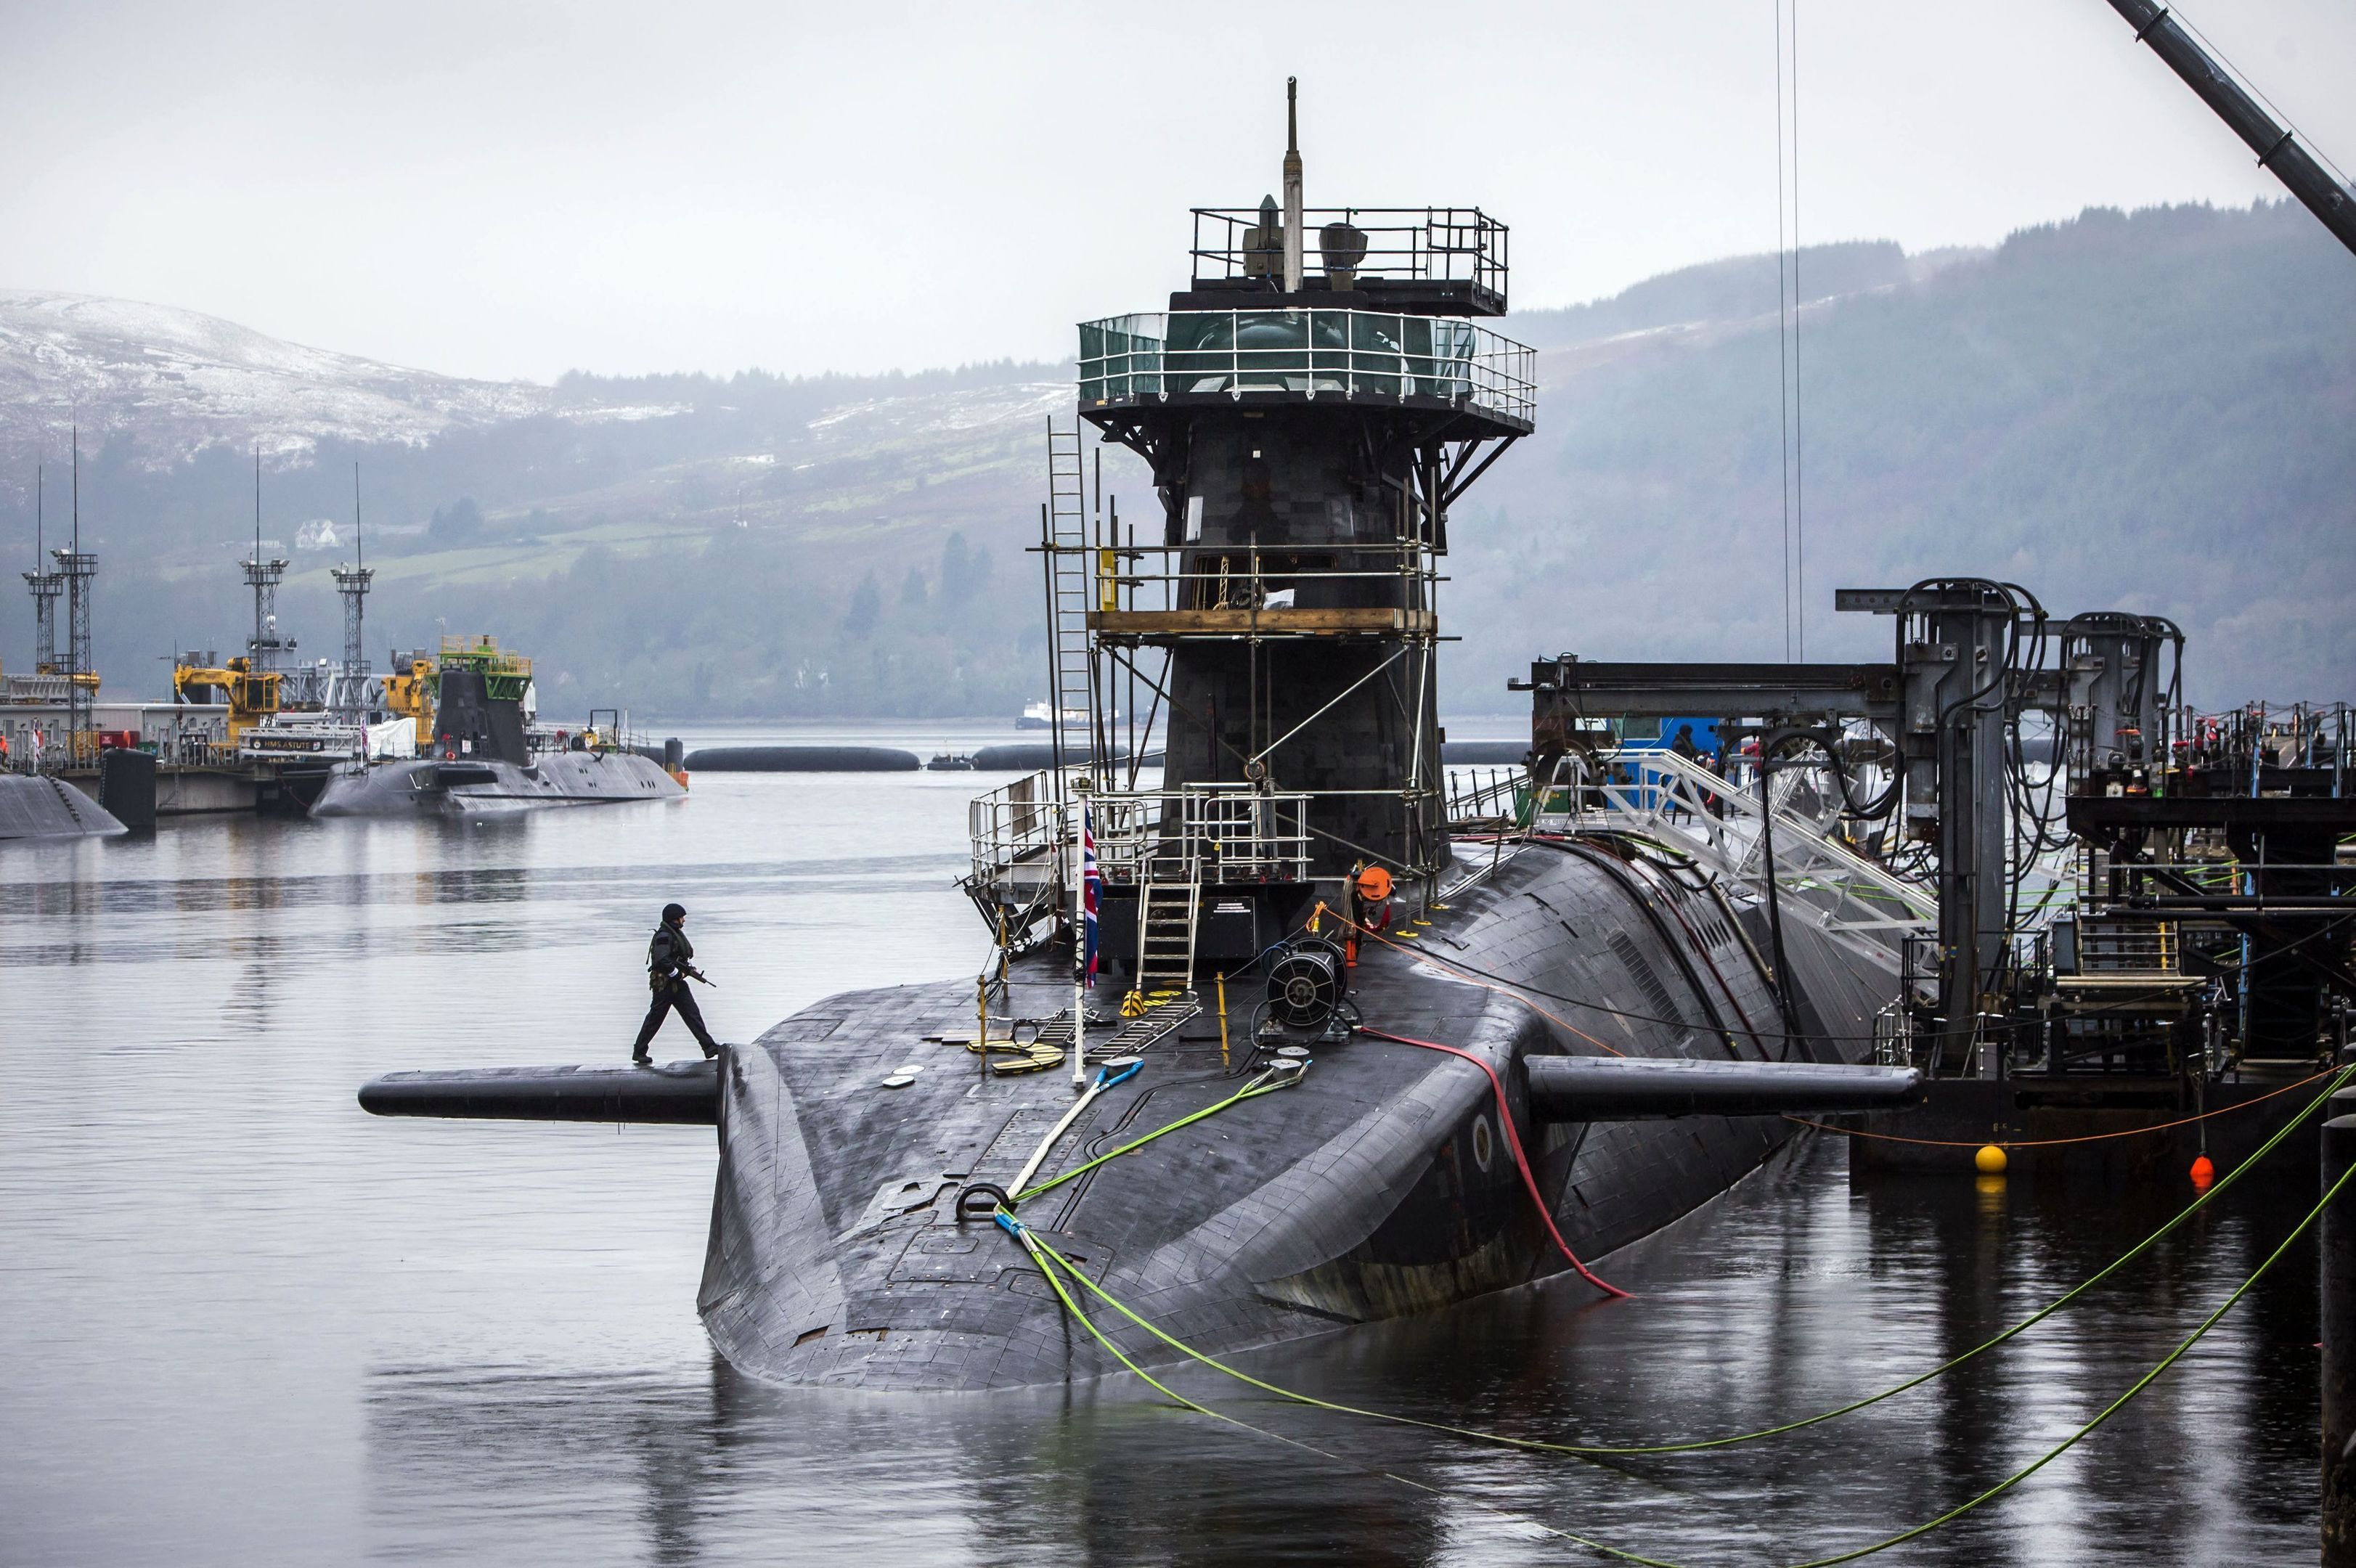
{"points": [[1513, 1142]]}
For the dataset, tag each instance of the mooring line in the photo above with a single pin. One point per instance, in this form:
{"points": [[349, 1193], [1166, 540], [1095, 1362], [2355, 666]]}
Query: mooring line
{"points": [[1038, 1249], [2081, 1139], [1266, 1083], [1700, 1445]]}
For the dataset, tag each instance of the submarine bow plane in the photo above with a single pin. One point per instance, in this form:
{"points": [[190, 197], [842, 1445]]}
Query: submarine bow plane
{"points": [[1308, 433]]}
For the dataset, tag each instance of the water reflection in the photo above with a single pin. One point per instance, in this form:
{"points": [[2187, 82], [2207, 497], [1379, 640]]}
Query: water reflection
{"points": [[1798, 1294], [240, 1322]]}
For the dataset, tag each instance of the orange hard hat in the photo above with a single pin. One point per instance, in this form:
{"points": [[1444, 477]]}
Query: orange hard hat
{"points": [[1374, 884]]}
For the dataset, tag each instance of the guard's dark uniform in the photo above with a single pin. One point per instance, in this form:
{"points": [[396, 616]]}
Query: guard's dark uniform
{"points": [[669, 956]]}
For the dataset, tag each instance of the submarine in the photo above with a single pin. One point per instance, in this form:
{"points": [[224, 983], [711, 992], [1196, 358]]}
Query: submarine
{"points": [[1279, 1042], [486, 756]]}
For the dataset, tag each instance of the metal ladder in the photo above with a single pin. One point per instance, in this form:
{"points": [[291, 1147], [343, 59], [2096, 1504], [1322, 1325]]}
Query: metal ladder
{"points": [[1065, 524], [1166, 935]]}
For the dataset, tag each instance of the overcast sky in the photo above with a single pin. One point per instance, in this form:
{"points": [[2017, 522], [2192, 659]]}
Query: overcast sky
{"points": [[514, 190]]}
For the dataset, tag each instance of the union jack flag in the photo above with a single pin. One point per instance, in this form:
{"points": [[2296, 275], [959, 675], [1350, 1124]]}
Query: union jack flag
{"points": [[1090, 883]]}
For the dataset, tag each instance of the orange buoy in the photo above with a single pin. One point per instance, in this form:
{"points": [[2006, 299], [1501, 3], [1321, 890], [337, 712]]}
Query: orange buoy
{"points": [[1990, 1160], [2203, 1173]]}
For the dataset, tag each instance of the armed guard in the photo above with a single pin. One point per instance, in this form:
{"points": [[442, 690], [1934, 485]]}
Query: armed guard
{"points": [[670, 964]]}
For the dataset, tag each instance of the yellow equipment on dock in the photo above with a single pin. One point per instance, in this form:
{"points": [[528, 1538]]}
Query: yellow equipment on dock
{"points": [[251, 699]]}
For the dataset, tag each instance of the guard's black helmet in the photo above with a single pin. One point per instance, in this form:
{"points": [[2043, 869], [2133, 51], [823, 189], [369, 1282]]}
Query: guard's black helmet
{"points": [[674, 913]]}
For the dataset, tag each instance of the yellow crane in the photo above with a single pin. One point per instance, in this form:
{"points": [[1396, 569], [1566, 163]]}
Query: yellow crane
{"points": [[251, 698], [408, 694]]}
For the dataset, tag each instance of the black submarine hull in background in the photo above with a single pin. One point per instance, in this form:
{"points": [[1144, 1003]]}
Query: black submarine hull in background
{"points": [[468, 786]]}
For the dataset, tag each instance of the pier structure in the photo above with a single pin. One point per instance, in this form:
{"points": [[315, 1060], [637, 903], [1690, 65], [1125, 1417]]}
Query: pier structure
{"points": [[1310, 413], [2106, 906]]}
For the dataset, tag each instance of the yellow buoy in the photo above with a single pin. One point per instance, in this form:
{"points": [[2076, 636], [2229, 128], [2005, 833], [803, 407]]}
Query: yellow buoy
{"points": [[1990, 1161]]}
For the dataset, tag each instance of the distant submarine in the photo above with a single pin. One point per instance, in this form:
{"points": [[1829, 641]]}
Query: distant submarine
{"points": [[1307, 435]]}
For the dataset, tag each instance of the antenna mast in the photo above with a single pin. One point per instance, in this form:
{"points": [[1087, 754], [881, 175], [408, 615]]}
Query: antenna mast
{"points": [[352, 582], [1292, 185], [78, 569], [44, 587], [263, 576]]}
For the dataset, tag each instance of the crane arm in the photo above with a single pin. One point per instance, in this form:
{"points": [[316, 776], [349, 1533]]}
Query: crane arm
{"points": [[2277, 146]]}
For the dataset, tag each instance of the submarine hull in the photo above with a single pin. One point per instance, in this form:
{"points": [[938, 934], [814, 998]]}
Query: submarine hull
{"points": [[472, 786], [1381, 1184]]}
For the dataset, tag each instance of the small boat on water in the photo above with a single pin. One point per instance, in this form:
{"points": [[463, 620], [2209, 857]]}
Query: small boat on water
{"points": [[1043, 715]]}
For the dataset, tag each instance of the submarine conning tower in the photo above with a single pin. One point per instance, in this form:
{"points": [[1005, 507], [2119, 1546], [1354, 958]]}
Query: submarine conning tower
{"points": [[1310, 405]]}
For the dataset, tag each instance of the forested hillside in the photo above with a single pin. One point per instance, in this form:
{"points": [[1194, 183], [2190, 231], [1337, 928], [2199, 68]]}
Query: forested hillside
{"points": [[2153, 411]]}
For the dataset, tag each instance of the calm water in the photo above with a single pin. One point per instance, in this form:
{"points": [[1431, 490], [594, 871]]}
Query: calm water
{"points": [[241, 1322]]}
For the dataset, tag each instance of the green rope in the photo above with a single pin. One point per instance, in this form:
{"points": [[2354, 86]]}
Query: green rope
{"points": [[1032, 1244], [1915, 1532], [1598, 1450], [2103, 1415], [1266, 1083]]}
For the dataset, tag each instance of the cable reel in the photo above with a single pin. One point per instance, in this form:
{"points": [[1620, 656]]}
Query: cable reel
{"points": [[1306, 985]]}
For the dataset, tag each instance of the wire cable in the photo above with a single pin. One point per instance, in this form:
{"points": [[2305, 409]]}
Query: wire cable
{"points": [[1054, 1267]]}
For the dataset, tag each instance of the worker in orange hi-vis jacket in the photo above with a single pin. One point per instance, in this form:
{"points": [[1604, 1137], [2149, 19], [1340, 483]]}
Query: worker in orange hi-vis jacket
{"points": [[1370, 893]]}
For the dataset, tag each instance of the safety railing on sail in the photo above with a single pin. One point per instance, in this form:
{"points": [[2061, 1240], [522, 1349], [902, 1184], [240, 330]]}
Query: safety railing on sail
{"points": [[1350, 354], [1201, 833], [1017, 831], [1360, 244], [1376, 574]]}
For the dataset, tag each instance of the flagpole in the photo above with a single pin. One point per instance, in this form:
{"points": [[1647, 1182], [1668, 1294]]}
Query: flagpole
{"points": [[1080, 935]]}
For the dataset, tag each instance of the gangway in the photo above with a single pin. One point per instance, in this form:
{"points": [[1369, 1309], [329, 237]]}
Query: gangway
{"points": [[1678, 801]]}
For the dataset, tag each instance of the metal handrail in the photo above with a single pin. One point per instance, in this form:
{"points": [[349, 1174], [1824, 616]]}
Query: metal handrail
{"points": [[1853, 899], [1456, 244], [1352, 353], [1199, 833], [1017, 824], [1202, 575], [1487, 797]]}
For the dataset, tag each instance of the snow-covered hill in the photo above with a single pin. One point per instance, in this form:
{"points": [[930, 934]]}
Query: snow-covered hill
{"points": [[175, 381]]}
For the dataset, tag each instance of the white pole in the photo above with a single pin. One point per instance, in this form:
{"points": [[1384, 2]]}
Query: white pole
{"points": [[1075, 815], [1292, 235]]}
